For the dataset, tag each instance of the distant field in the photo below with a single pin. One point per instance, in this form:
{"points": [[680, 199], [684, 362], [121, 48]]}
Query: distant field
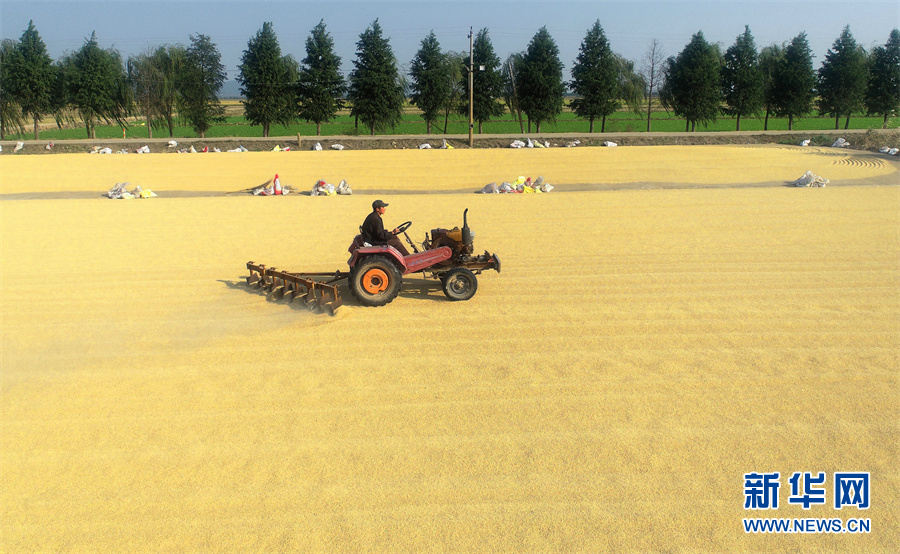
{"points": [[412, 124]]}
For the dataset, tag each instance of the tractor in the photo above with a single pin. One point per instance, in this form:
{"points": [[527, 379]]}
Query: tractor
{"points": [[376, 271]]}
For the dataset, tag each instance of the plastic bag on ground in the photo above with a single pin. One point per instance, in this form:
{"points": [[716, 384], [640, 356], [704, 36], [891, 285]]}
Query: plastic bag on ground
{"points": [[810, 179], [517, 144], [343, 188], [19, 145], [317, 147], [840, 143], [609, 143], [337, 146], [321, 188], [490, 188], [805, 142], [424, 146], [446, 146], [117, 190]]}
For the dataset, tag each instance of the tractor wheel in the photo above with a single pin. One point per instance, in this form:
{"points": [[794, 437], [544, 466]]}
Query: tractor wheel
{"points": [[459, 284], [375, 281]]}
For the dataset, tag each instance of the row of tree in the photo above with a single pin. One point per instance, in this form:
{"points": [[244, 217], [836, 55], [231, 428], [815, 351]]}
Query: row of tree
{"points": [[781, 80], [93, 85], [698, 84]]}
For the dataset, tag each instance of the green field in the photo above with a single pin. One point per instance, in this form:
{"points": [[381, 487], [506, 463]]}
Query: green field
{"points": [[412, 124]]}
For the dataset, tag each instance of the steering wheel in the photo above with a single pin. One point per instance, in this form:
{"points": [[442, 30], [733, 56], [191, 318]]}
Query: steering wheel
{"points": [[404, 226]]}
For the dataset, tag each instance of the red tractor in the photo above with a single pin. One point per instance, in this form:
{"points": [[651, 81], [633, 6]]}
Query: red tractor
{"points": [[376, 271]]}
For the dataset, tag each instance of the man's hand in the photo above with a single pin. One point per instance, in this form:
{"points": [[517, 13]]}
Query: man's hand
{"points": [[394, 232]]}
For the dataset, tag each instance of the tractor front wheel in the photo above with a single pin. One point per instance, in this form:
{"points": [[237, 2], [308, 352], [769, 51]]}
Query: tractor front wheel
{"points": [[459, 284], [375, 281]]}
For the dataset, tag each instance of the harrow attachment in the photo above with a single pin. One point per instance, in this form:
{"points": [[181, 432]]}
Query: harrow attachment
{"points": [[318, 291]]}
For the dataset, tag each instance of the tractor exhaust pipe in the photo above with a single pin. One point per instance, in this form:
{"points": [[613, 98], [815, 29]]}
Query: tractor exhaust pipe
{"points": [[467, 235]]}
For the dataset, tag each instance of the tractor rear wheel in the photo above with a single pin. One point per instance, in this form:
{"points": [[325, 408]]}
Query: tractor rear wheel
{"points": [[375, 281], [459, 284]]}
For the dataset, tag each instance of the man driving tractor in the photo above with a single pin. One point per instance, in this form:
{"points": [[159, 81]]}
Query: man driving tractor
{"points": [[373, 230]]}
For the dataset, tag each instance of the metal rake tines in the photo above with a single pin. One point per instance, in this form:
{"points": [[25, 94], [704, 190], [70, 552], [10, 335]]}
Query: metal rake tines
{"points": [[315, 294]]}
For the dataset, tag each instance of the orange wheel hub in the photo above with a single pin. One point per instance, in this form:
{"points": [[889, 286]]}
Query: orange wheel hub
{"points": [[375, 281]]}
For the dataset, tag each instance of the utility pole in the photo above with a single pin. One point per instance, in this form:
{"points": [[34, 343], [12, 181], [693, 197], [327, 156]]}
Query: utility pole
{"points": [[471, 90]]}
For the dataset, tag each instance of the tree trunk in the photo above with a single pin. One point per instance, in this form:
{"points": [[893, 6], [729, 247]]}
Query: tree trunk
{"points": [[149, 129], [427, 126], [591, 128], [738, 122], [479, 127], [693, 126], [318, 128], [847, 122], [884, 123], [203, 134], [372, 130], [837, 118], [537, 127], [766, 124], [171, 125], [265, 129], [603, 124], [687, 125], [446, 117], [529, 125], [791, 122], [649, 102]]}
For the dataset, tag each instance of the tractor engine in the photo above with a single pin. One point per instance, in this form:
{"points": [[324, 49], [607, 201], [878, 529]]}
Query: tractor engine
{"points": [[460, 241]]}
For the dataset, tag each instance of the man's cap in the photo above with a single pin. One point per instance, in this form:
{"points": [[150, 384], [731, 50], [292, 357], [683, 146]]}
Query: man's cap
{"points": [[378, 204]]}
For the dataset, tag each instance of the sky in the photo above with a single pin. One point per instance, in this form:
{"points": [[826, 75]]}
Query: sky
{"points": [[134, 27]]}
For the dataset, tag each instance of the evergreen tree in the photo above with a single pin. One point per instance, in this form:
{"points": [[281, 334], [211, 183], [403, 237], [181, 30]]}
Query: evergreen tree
{"points": [[794, 80], [540, 82], [694, 81], [742, 79], [200, 77], [375, 89], [96, 85], [10, 111], [595, 78], [267, 81], [883, 90], [487, 83], [842, 78], [32, 77], [431, 84], [321, 85], [769, 59]]}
